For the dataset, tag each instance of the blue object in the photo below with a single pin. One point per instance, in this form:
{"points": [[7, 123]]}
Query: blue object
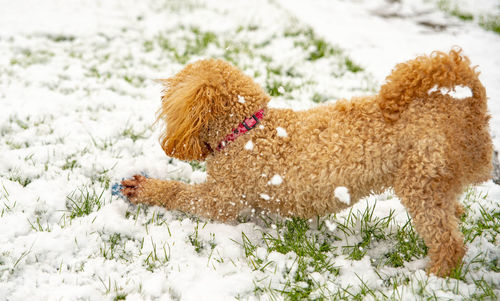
{"points": [[116, 189]]}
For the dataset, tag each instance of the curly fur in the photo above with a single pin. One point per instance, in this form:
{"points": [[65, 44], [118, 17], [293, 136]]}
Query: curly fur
{"points": [[425, 145]]}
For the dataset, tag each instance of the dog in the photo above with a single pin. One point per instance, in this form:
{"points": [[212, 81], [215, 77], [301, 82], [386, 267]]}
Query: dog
{"points": [[426, 145]]}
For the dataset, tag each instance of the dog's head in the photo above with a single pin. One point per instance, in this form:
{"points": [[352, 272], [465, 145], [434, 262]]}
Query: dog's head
{"points": [[202, 104]]}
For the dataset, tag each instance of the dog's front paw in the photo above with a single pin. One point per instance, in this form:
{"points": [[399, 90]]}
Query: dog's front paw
{"points": [[132, 188]]}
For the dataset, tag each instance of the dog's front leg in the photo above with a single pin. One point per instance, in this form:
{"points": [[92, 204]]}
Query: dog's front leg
{"points": [[199, 199]]}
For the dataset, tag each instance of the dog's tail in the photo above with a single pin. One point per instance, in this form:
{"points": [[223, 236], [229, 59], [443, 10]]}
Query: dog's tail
{"points": [[415, 78]]}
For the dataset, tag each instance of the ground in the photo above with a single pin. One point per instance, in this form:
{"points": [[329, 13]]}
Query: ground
{"points": [[78, 101]]}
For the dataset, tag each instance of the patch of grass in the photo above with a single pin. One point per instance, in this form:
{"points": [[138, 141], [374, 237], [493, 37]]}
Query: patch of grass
{"points": [[21, 257], [319, 98], [120, 296], [485, 291], [188, 46], [22, 124], [58, 38], [106, 252], [294, 236], [16, 176], [27, 57], [7, 204], [102, 177], [314, 250], [351, 66], [84, 201], [108, 287], [320, 49], [479, 221], [102, 144], [134, 134], [489, 222], [135, 80], [490, 23], [148, 45], [157, 257], [70, 163], [315, 46], [371, 229], [203, 39], [195, 240], [17, 145], [408, 246], [233, 51], [37, 225], [278, 88], [197, 165], [113, 247]]}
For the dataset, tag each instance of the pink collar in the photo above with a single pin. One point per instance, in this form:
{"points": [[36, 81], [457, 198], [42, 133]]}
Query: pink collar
{"points": [[242, 128]]}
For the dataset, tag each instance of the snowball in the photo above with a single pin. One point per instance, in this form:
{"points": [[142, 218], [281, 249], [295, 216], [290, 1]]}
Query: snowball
{"points": [[265, 196], [281, 89], [249, 145], [241, 99], [342, 193], [458, 92], [281, 132], [276, 180]]}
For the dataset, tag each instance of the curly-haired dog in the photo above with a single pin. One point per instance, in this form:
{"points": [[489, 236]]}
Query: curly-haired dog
{"points": [[426, 145]]}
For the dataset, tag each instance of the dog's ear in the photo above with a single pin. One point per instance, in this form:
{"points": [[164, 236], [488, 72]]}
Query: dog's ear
{"points": [[191, 99]]}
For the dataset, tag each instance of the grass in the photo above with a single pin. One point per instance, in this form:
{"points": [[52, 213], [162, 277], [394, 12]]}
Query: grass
{"points": [[198, 244], [479, 222], [27, 57], [280, 80], [312, 255], [193, 44], [131, 132], [84, 201], [8, 205], [198, 165], [319, 98], [70, 163], [489, 22], [15, 175], [157, 257], [316, 247]]}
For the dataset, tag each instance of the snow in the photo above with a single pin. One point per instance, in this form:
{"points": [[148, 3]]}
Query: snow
{"points": [[342, 194], [241, 99], [331, 226], [281, 132], [265, 196], [276, 180], [78, 97], [249, 145]]}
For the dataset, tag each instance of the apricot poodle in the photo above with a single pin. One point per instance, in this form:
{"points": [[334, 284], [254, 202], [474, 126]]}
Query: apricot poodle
{"points": [[424, 144]]}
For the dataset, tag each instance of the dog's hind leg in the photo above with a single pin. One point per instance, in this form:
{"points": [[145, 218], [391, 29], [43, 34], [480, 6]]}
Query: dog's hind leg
{"points": [[430, 194], [200, 199]]}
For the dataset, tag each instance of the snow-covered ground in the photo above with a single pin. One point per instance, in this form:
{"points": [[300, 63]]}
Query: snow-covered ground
{"points": [[78, 99]]}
